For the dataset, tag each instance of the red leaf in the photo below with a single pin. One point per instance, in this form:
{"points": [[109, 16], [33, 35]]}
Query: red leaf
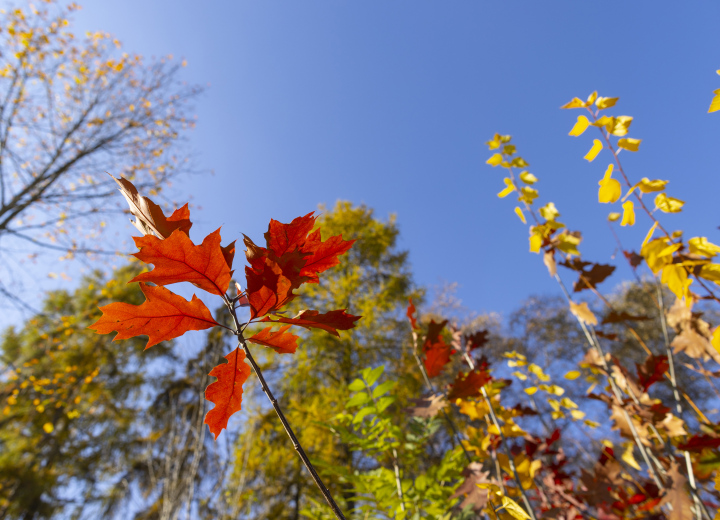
{"points": [[177, 259], [279, 341], [150, 217], [323, 255], [164, 315], [228, 252], [469, 385], [697, 443], [330, 321], [286, 238], [652, 370], [411, 314], [437, 352], [227, 391]]}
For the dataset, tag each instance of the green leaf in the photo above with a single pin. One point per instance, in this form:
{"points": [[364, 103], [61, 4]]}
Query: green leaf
{"points": [[383, 388], [373, 375], [357, 385], [364, 412], [384, 402], [357, 400]]}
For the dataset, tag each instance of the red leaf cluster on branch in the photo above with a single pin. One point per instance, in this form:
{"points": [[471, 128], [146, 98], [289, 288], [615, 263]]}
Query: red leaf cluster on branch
{"points": [[294, 254]]}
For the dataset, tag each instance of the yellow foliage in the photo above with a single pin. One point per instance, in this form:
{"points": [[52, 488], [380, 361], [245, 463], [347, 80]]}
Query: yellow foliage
{"points": [[628, 218], [596, 147]]}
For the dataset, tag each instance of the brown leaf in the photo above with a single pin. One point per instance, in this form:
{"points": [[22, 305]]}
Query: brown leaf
{"points": [[677, 495], [634, 258], [427, 407], [617, 317], [475, 497], [583, 313], [469, 385], [549, 261], [591, 279], [330, 321], [150, 218]]}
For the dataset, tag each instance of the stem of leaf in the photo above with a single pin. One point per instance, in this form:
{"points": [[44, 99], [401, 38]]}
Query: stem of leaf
{"points": [[288, 429]]}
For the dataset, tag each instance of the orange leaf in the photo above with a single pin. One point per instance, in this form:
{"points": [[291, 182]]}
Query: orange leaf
{"points": [[150, 217], [469, 385], [280, 341], [323, 255], [330, 321], [286, 238], [227, 391], [177, 259], [164, 315], [437, 352]]}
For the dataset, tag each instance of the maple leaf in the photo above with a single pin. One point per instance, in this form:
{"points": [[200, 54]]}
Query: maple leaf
{"points": [[476, 340], [227, 391], [469, 385], [177, 259], [150, 218], [411, 314], [164, 315], [322, 255], [280, 341], [652, 370], [330, 321], [588, 279], [427, 407]]}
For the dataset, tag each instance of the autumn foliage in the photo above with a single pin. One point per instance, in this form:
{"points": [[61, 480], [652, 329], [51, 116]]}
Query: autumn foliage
{"points": [[294, 254]]}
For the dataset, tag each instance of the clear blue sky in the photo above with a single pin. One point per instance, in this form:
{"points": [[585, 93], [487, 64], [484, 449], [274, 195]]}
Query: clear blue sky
{"points": [[389, 103]]}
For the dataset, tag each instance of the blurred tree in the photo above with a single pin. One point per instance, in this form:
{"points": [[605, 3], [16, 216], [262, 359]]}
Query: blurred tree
{"points": [[70, 109], [70, 404], [372, 280]]}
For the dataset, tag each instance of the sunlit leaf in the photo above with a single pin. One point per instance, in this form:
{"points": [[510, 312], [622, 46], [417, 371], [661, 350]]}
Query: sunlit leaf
{"points": [[628, 218], [605, 102], [495, 160], [610, 189], [701, 246], [580, 126], [528, 178], [521, 215], [629, 144], [509, 188], [668, 204], [596, 147]]}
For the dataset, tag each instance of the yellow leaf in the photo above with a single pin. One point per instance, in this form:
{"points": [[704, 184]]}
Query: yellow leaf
{"points": [[591, 99], [528, 178], [535, 369], [568, 242], [48, 427], [656, 255], [520, 214], [668, 204], [535, 242], [509, 149], [580, 126], [610, 189], [575, 103], [701, 246], [631, 145], [711, 272], [519, 162], [621, 124], [612, 217], [577, 414], [583, 313], [605, 102], [494, 144], [629, 458], [572, 375], [514, 509], [716, 343], [528, 194], [549, 211], [509, 188], [495, 159], [596, 147], [647, 186], [531, 390], [650, 233], [676, 278], [715, 103], [628, 214]]}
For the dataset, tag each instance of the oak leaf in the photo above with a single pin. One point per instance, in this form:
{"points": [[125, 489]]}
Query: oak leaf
{"points": [[177, 259], [286, 238], [163, 316], [280, 341], [227, 391], [322, 255], [150, 218], [699, 442], [652, 370], [474, 496], [330, 321]]}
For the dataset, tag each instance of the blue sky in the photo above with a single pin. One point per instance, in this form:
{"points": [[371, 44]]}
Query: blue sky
{"points": [[388, 103]]}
